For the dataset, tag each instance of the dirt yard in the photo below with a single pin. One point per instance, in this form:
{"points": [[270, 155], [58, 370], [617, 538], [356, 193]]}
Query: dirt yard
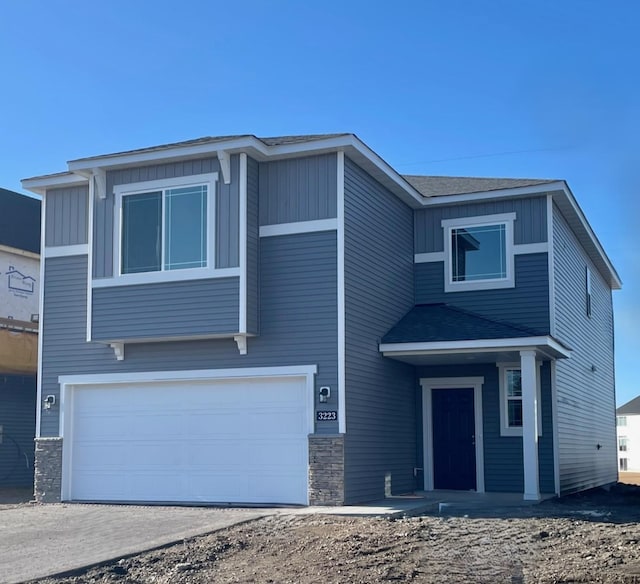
{"points": [[593, 537]]}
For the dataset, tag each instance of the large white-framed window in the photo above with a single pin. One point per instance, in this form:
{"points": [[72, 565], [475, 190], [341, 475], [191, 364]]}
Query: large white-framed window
{"points": [[164, 229], [511, 414], [623, 443], [479, 252]]}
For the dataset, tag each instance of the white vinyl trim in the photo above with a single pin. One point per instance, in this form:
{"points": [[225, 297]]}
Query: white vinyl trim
{"points": [[342, 401], [474, 345], [530, 425], [61, 251], [551, 268], [91, 208], [39, 184], [41, 317], [424, 258], [166, 276], [242, 233], [430, 383], [554, 424], [299, 227], [526, 248]]}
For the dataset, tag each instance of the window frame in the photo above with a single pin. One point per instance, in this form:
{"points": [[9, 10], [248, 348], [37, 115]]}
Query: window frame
{"points": [[448, 225], [122, 191], [505, 429], [621, 421], [623, 444]]}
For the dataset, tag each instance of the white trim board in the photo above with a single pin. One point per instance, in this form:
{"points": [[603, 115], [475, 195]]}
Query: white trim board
{"points": [[242, 244], [61, 251], [476, 345], [299, 227], [518, 249], [342, 401], [429, 383]]}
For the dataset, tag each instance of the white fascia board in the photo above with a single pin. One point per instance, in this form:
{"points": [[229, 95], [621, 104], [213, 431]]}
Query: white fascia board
{"points": [[479, 345], [203, 374], [39, 184]]}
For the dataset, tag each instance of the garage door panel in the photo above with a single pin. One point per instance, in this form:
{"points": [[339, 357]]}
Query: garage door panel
{"points": [[241, 440]]}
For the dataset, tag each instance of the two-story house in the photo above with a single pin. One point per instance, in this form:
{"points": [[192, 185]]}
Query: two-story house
{"points": [[628, 426], [19, 269], [289, 320]]}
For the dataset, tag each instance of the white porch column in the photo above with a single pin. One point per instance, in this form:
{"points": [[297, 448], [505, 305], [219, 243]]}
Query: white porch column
{"points": [[529, 372]]}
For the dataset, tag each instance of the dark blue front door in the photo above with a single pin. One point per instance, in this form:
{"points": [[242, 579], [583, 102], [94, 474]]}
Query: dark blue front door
{"points": [[454, 450]]}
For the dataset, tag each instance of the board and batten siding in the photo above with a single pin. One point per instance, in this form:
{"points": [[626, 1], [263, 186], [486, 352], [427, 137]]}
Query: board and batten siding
{"points": [[585, 381], [527, 304], [530, 225], [66, 221], [18, 421], [298, 189], [226, 202], [298, 323], [380, 442], [167, 309], [253, 248], [503, 459]]}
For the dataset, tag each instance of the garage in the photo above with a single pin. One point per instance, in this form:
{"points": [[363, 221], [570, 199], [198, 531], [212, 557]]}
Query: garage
{"points": [[228, 440]]}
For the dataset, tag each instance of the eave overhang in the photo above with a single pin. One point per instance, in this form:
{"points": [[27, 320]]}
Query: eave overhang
{"points": [[475, 350]]}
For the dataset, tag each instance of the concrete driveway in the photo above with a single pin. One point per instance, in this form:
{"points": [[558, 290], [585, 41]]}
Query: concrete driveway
{"points": [[42, 540]]}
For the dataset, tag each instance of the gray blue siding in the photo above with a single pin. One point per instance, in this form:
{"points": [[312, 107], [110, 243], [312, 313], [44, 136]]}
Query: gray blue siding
{"points": [[168, 309], [380, 392], [66, 216], [18, 421], [253, 248], [530, 225], [299, 189], [586, 398], [503, 459], [298, 323], [526, 304], [227, 206]]}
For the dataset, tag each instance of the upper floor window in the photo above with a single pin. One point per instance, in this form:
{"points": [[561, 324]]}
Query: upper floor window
{"points": [[479, 252], [622, 444], [165, 225], [588, 290], [622, 420]]}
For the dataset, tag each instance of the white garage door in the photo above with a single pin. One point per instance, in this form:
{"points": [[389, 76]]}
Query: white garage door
{"points": [[238, 441]]}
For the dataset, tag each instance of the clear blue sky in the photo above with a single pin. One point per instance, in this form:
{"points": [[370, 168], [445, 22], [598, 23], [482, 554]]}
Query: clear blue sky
{"points": [[527, 88]]}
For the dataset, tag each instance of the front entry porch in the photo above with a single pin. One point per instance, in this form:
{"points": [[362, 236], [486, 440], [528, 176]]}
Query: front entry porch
{"points": [[487, 402]]}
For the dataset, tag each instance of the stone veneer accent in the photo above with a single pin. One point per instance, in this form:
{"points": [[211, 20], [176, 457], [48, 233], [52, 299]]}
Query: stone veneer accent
{"points": [[48, 470], [326, 469]]}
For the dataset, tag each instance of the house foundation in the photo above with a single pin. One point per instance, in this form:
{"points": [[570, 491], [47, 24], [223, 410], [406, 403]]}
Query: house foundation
{"points": [[48, 470], [326, 469]]}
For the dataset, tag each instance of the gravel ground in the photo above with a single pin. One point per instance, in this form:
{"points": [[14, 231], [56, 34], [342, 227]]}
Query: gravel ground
{"points": [[591, 537]]}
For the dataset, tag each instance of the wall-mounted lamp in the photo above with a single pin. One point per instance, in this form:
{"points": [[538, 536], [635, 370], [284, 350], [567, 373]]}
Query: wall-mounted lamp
{"points": [[324, 394], [49, 401], [593, 368]]}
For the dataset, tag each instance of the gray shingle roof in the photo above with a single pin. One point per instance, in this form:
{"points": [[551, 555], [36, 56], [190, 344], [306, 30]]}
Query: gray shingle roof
{"points": [[272, 141], [426, 323], [630, 408], [432, 186]]}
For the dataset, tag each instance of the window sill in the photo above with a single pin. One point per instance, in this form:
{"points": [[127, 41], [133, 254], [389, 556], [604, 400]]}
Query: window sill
{"points": [[478, 285], [168, 276]]}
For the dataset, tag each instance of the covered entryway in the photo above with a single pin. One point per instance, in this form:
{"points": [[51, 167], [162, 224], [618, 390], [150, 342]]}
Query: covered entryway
{"points": [[231, 440], [454, 452]]}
